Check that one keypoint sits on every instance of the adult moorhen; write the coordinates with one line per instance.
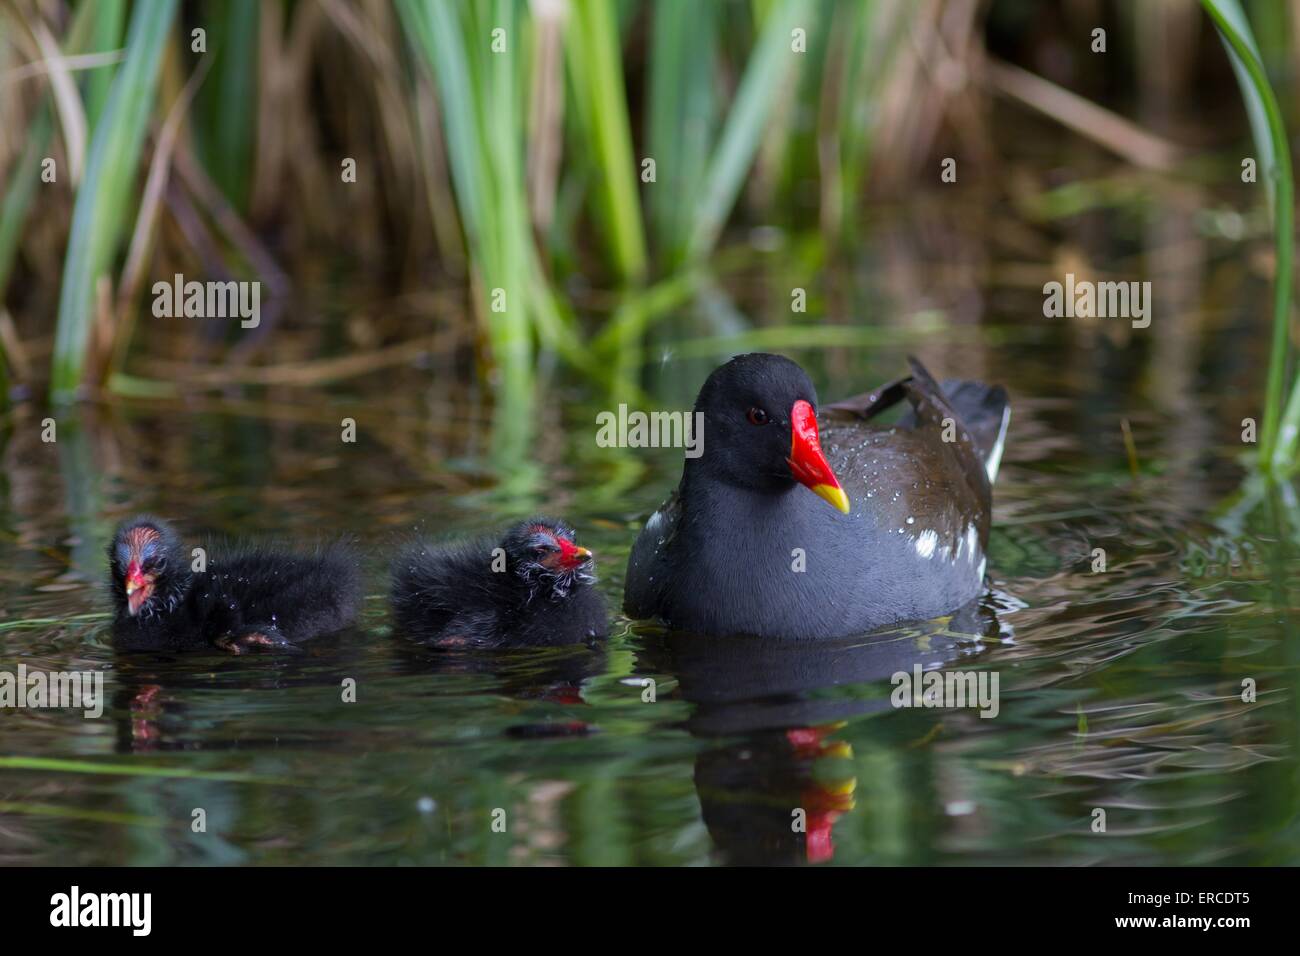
(531, 588)
(740, 548)
(244, 598)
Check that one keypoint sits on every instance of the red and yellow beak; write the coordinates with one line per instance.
(138, 588)
(570, 556)
(807, 463)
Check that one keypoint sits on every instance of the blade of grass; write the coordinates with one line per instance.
(545, 112)
(28, 622)
(628, 324)
(788, 149)
(766, 72)
(142, 238)
(72, 113)
(596, 70)
(436, 34)
(227, 105)
(502, 120)
(683, 60)
(99, 213)
(108, 20)
(778, 338)
(5, 383)
(24, 180)
(636, 312)
(877, 34)
(558, 330)
(21, 190)
(57, 765)
(1269, 132)
(74, 813)
(484, 128)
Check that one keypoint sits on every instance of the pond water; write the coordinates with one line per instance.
(1120, 690)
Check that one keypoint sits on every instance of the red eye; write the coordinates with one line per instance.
(756, 416)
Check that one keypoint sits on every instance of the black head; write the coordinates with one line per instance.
(542, 553)
(760, 428)
(147, 567)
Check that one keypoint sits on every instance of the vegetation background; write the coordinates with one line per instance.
(603, 164)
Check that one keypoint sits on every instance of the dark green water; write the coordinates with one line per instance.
(1120, 690)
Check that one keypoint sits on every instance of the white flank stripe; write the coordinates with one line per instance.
(994, 460)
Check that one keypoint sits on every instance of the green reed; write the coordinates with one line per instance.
(1280, 429)
(735, 118)
(104, 195)
(703, 145)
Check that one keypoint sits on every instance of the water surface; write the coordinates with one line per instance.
(1120, 689)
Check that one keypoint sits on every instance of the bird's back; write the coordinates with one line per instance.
(301, 595)
(433, 585)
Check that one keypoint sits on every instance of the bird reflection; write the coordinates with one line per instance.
(154, 708)
(552, 674)
(780, 776)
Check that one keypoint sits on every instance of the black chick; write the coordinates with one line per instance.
(532, 588)
(244, 598)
